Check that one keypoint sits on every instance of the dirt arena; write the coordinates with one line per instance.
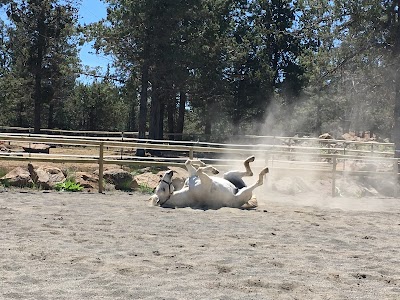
(114, 246)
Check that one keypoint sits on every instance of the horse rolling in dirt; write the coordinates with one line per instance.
(208, 192)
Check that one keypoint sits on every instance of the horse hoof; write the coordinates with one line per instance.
(202, 164)
(264, 171)
(215, 171)
(250, 159)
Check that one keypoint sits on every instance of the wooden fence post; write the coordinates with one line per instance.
(334, 177)
(191, 153)
(122, 139)
(101, 167)
(396, 178)
(344, 153)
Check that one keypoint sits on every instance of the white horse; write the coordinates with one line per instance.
(203, 191)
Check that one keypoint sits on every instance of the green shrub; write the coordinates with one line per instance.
(5, 183)
(125, 186)
(3, 171)
(145, 189)
(68, 186)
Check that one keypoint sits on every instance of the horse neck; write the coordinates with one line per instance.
(179, 198)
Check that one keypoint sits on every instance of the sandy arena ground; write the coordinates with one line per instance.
(114, 246)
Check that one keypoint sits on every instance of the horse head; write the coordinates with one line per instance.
(164, 189)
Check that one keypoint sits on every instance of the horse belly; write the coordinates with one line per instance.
(216, 196)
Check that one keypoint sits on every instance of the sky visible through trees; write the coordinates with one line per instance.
(89, 11)
(217, 67)
(92, 11)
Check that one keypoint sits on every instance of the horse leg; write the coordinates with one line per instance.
(245, 194)
(240, 174)
(190, 168)
(209, 169)
(260, 180)
(206, 181)
(204, 168)
(247, 166)
(201, 163)
(236, 176)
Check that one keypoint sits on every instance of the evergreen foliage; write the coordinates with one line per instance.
(218, 67)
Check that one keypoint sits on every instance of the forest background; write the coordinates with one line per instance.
(221, 68)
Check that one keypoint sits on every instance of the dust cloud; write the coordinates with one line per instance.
(304, 177)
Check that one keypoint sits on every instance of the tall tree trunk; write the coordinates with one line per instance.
(37, 100)
(318, 119)
(155, 113)
(396, 127)
(143, 101)
(237, 113)
(50, 121)
(181, 115)
(20, 114)
(156, 119)
(160, 131)
(132, 116)
(171, 116)
(396, 55)
(236, 119)
(52, 105)
(37, 95)
(207, 123)
(143, 105)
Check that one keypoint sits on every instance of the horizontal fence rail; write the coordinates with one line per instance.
(267, 139)
(314, 156)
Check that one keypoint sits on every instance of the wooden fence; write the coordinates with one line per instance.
(314, 156)
(253, 139)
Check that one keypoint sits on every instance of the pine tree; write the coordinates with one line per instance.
(44, 53)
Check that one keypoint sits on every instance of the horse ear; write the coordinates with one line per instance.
(154, 200)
